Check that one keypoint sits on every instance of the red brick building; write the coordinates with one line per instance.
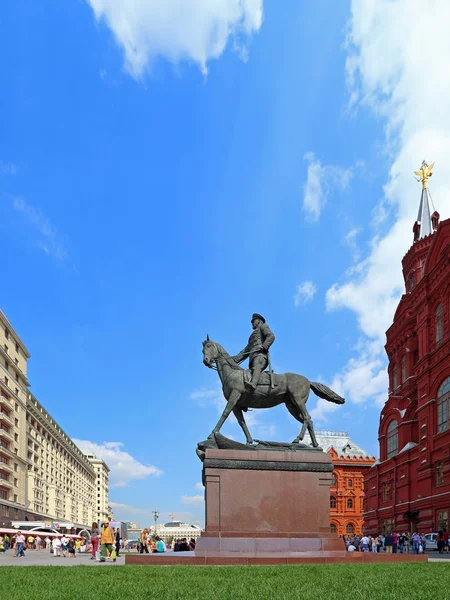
(350, 463)
(410, 486)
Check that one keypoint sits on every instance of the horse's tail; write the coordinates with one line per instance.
(323, 391)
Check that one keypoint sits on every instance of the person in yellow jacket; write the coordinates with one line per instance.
(106, 540)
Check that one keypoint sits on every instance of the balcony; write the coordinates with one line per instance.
(6, 467)
(6, 435)
(7, 419)
(6, 484)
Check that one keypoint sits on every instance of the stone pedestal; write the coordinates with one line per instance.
(267, 503)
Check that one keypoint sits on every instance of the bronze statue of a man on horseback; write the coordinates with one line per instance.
(258, 389)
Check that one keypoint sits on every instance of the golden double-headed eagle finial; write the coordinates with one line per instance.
(424, 172)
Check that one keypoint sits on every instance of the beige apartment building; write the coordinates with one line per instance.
(43, 474)
(102, 510)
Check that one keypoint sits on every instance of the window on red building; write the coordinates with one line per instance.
(439, 324)
(350, 529)
(392, 439)
(442, 406)
(404, 368)
(394, 377)
(350, 483)
(350, 503)
(333, 502)
(333, 480)
(439, 473)
(333, 528)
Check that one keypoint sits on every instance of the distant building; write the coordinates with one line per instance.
(350, 462)
(177, 529)
(410, 486)
(102, 509)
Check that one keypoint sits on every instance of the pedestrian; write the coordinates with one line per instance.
(160, 546)
(388, 542)
(64, 542)
(48, 543)
(94, 540)
(394, 543)
(56, 544)
(106, 540)
(37, 542)
(373, 543)
(401, 542)
(6, 542)
(117, 541)
(416, 542)
(30, 542)
(20, 541)
(445, 538)
(71, 548)
(365, 543)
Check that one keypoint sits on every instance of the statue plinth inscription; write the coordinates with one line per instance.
(266, 501)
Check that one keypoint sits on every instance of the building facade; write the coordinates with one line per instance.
(176, 530)
(410, 486)
(102, 509)
(44, 476)
(350, 463)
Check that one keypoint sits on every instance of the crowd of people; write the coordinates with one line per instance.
(104, 542)
(148, 543)
(392, 543)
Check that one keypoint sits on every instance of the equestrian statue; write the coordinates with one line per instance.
(257, 388)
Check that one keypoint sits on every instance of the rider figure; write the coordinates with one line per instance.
(257, 349)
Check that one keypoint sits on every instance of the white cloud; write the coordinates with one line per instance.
(49, 240)
(304, 293)
(177, 30)
(124, 468)
(350, 241)
(321, 180)
(196, 500)
(199, 486)
(397, 66)
(362, 378)
(7, 168)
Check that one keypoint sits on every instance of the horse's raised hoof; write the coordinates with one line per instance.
(210, 436)
(296, 441)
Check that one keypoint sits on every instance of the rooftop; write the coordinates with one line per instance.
(338, 440)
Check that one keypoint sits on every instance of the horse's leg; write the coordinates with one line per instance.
(232, 400)
(305, 418)
(240, 419)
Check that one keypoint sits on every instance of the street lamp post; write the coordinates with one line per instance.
(155, 516)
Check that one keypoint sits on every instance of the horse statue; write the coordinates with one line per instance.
(288, 388)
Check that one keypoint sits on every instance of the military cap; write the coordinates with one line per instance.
(258, 316)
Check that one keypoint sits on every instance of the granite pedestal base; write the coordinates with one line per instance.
(267, 503)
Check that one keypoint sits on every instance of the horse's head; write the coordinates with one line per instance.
(210, 352)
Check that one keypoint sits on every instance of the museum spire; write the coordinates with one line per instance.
(427, 217)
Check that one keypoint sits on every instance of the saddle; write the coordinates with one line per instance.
(264, 379)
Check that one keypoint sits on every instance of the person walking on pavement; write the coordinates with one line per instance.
(94, 540)
(106, 540)
(20, 541)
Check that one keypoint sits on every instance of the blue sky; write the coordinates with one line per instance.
(164, 175)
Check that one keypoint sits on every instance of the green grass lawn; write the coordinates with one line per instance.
(410, 581)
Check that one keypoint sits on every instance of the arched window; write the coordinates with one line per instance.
(350, 529)
(333, 528)
(442, 406)
(350, 483)
(439, 324)
(333, 502)
(350, 503)
(392, 439)
(394, 377)
(404, 368)
(333, 479)
(439, 473)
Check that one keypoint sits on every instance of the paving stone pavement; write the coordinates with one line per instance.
(42, 558)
